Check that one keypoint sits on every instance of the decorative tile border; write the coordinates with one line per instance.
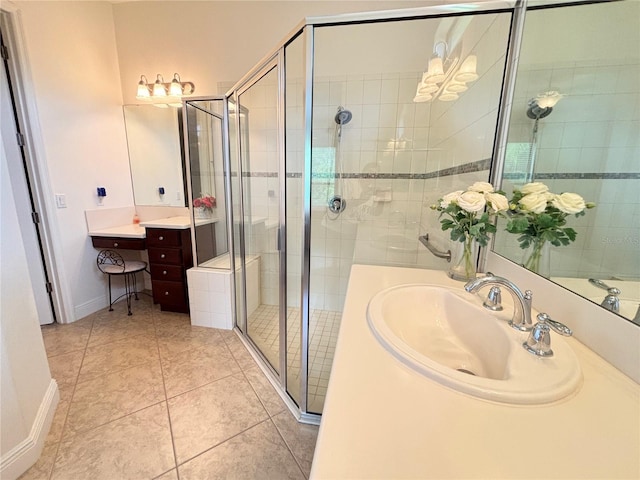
(578, 176)
(477, 166)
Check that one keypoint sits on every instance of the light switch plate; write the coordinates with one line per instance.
(61, 200)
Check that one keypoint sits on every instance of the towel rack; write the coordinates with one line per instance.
(425, 241)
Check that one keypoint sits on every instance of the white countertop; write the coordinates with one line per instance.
(126, 231)
(382, 419)
(177, 223)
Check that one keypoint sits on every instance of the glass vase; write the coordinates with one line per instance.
(463, 260)
(537, 257)
(201, 213)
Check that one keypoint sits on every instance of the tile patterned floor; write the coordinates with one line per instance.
(323, 335)
(151, 397)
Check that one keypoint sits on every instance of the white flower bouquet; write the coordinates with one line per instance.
(540, 216)
(470, 215)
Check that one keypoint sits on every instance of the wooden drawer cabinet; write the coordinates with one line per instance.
(118, 243)
(173, 273)
(170, 295)
(169, 258)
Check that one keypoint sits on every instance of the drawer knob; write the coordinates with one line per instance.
(164, 272)
(166, 294)
(160, 238)
(162, 255)
(115, 245)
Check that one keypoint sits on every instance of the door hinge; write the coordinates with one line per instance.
(49, 287)
(5, 52)
(20, 138)
(35, 217)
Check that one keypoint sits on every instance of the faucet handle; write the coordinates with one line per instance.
(539, 341)
(493, 301)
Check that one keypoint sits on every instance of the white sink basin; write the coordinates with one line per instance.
(446, 335)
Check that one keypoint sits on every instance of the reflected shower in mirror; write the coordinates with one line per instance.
(575, 127)
(155, 155)
(207, 167)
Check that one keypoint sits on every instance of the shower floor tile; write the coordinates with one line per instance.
(324, 325)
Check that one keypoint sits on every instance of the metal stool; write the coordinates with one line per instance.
(112, 263)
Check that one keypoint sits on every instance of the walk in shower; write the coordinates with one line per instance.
(339, 143)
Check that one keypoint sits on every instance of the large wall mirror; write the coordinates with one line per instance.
(587, 59)
(156, 155)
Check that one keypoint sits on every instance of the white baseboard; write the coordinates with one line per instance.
(92, 306)
(20, 458)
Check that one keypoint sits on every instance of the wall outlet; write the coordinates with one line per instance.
(61, 200)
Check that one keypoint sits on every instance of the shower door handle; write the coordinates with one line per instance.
(279, 242)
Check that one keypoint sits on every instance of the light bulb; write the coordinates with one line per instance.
(426, 89)
(143, 88)
(548, 99)
(456, 87)
(435, 72)
(467, 72)
(422, 98)
(159, 90)
(448, 96)
(175, 89)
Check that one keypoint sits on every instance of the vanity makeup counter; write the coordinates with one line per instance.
(383, 420)
(168, 244)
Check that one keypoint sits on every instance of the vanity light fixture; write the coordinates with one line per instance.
(163, 90)
(542, 105)
(446, 76)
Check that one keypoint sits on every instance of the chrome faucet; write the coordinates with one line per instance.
(521, 301)
(612, 301)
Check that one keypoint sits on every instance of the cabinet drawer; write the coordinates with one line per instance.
(167, 273)
(159, 237)
(119, 242)
(169, 293)
(172, 256)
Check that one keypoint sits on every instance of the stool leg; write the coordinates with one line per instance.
(127, 286)
(110, 302)
(135, 285)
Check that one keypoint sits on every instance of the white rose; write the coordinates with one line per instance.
(482, 187)
(569, 203)
(535, 187)
(534, 202)
(497, 201)
(450, 198)
(472, 202)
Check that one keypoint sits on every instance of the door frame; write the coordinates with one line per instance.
(34, 151)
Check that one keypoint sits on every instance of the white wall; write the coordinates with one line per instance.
(26, 383)
(76, 84)
(211, 42)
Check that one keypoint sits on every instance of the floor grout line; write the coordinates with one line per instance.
(166, 399)
(66, 417)
(153, 317)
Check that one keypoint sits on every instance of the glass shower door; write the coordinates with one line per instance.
(260, 185)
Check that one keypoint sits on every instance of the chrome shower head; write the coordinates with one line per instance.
(343, 116)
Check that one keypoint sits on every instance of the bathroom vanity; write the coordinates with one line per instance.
(167, 242)
(383, 419)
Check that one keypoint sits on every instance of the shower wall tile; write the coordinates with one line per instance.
(595, 129)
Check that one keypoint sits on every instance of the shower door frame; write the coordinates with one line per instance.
(275, 61)
(277, 57)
